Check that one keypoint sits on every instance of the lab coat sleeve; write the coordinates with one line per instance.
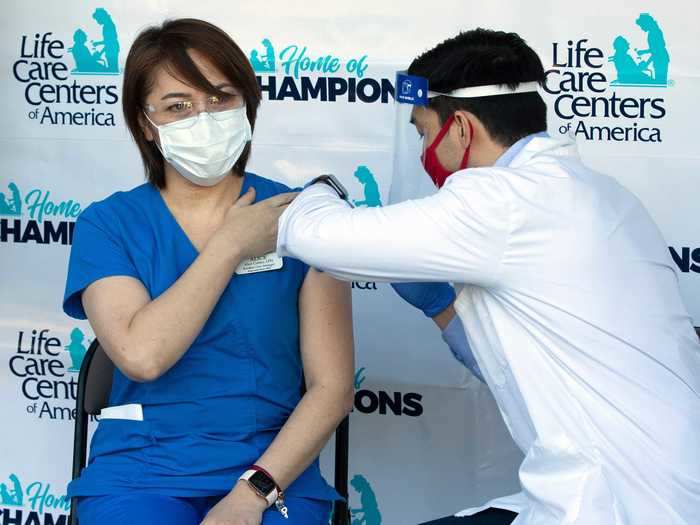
(459, 234)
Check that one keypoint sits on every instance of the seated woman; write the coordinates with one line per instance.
(209, 344)
(85, 61)
(628, 71)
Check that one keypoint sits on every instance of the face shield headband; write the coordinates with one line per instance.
(412, 90)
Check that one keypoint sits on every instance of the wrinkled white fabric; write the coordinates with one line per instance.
(570, 301)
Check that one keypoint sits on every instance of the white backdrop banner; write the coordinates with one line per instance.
(426, 437)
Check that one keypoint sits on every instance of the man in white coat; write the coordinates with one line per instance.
(567, 299)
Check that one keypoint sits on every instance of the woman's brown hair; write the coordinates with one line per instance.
(166, 46)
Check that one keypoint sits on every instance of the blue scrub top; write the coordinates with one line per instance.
(216, 411)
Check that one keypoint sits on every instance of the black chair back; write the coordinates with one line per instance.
(94, 386)
(341, 509)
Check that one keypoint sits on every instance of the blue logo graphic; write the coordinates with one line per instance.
(583, 90)
(76, 349)
(49, 221)
(47, 62)
(38, 203)
(13, 205)
(651, 66)
(36, 496)
(12, 497)
(359, 377)
(294, 72)
(372, 196)
(103, 58)
(295, 60)
(264, 63)
(368, 513)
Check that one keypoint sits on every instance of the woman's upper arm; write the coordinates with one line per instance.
(325, 308)
(110, 304)
(102, 283)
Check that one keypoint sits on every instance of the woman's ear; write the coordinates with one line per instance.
(147, 128)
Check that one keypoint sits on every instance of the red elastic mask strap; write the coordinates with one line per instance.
(443, 131)
(465, 158)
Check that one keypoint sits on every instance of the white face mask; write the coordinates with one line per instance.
(204, 148)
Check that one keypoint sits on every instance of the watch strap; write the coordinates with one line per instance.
(332, 182)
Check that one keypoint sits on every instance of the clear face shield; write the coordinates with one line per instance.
(410, 179)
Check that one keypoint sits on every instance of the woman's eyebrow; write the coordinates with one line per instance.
(176, 95)
(186, 95)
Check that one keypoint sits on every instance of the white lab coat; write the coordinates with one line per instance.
(570, 301)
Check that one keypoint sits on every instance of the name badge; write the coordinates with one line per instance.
(132, 412)
(264, 263)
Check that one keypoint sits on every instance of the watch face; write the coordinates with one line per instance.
(262, 482)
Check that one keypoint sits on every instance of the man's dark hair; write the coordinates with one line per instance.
(482, 57)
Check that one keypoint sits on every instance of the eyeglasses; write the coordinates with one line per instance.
(181, 108)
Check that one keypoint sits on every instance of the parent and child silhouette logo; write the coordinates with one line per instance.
(11, 206)
(102, 58)
(368, 513)
(371, 188)
(264, 63)
(650, 68)
(77, 348)
(12, 497)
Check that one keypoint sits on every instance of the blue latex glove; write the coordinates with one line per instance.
(456, 338)
(431, 298)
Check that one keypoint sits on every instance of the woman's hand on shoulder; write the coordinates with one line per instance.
(250, 230)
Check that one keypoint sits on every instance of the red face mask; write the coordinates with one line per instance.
(438, 173)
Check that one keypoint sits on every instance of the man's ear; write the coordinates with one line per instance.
(463, 119)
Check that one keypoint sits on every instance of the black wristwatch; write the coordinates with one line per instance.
(264, 486)
(334, 183)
